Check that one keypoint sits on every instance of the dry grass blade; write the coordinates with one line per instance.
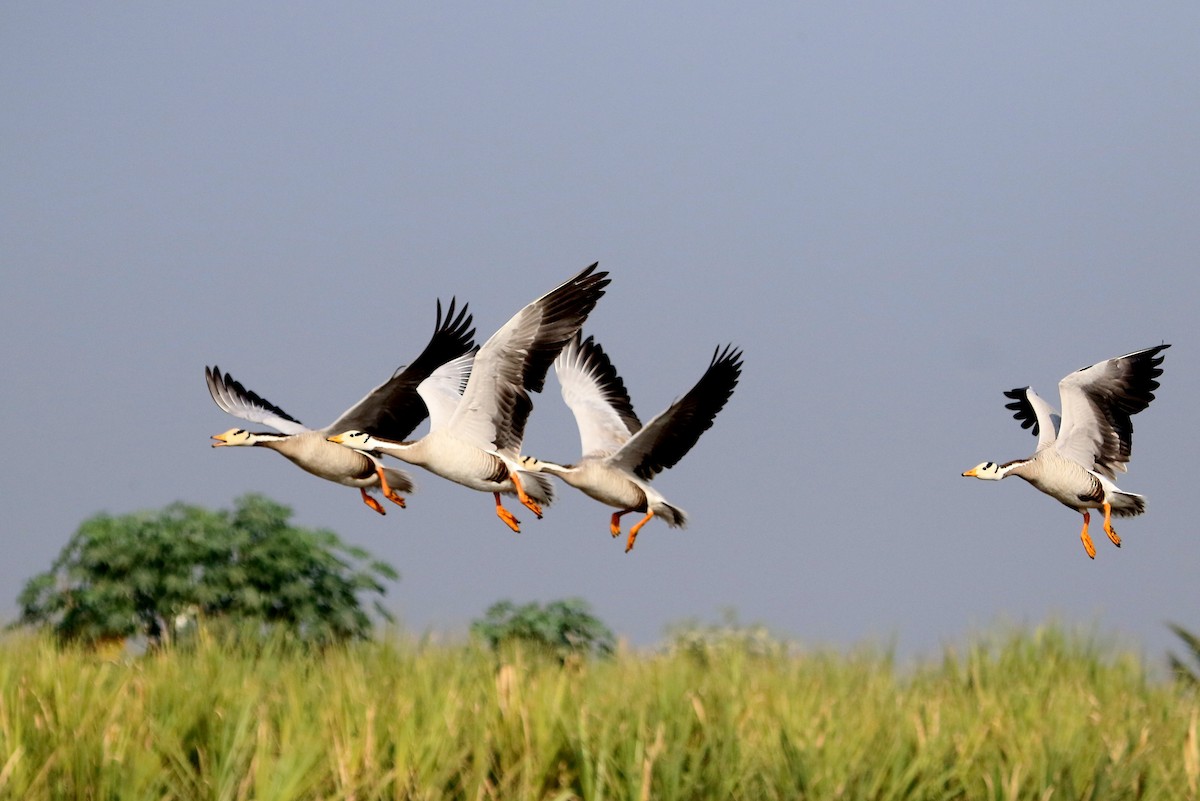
(1024, 715)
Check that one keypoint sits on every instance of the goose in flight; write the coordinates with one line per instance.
(477, 443)
(446, 359)
(620, 455)
(1079, 453)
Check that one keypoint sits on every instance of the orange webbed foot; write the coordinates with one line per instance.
(1087, 546)
(1108, 529)
(634, 529)
(388, 492)
(509, 519)
(526, 501)
(371, 502)
(614, 526)
(1087, 540)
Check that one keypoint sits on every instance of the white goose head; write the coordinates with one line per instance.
(988, 471)
(235, 437)
(359, 440)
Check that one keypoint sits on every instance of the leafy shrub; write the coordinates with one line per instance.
(563, 628)
(154, 574)
(708, 642)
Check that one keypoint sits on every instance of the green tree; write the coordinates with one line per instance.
(564, 628)
(150, 572)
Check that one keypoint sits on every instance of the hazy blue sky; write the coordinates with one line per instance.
(898, 210)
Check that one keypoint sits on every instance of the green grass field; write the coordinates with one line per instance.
(1029, 715)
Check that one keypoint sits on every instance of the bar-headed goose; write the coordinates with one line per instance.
(479, 444)
(1077, 455)
(384, 410)
(620, 455)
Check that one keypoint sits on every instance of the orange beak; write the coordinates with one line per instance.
(220, 440)
(970, 472)
(335, 438)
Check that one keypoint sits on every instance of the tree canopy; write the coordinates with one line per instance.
(150, 572)
(563, 628)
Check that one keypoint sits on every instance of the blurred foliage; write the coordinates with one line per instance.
(563, 628)
(1187, 672)
(706, 642)
(158, 574)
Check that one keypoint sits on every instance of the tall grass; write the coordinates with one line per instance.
(1025, 715)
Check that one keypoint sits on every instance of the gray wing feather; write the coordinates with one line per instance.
(596, 396)
(235, 399)
(1098, 402)
(514, 362)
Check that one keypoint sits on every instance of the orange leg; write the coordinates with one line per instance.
(388, 492)
(633, 531)
(1108, 529)
(614, 525)
(369, 501)
(529, 503)
(1083, 535)
(506, 515)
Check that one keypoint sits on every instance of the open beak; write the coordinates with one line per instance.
(970, 472)
(220, 440)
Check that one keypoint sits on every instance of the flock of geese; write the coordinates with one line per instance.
(478, 401)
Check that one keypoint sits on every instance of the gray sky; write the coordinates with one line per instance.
(898, 212)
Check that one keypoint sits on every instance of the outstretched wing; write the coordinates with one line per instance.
(1098, 402)
(442, 391)
(514, 362)
(596, 396)
(235, 399)
(664, 440)
(393, 409)
(1032, 412)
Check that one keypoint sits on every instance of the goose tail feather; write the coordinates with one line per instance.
(1127, 504)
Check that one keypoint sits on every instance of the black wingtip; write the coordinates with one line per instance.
(595, 280)
(730, 354)
(456, 325)
(565, 309)
(1022, 409)
(695, 412)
